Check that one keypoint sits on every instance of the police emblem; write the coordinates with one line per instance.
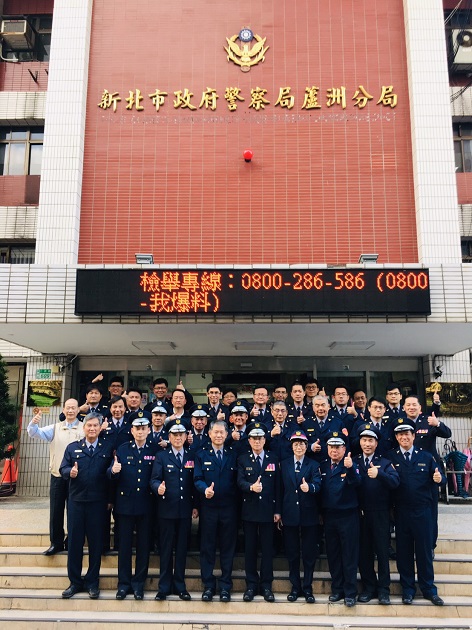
(335, 434)
(177, 421)
(244, 56)
(140, 414)
(367, 426)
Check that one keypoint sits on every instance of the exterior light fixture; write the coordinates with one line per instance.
(248, 154)
(144, 259)
(368, 258)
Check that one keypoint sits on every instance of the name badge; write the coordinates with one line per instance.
(170, 465)
(207, 463)
(77, 450)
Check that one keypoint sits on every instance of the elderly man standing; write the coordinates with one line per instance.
(84, 466)
(59, 436)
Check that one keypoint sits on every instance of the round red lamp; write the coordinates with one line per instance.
(248, 155)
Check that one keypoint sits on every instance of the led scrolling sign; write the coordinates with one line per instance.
(381, 291)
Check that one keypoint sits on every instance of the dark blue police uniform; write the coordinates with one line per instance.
(280, 444)
(414, 520)
(218, 515)
(341, 520)
(300, 519)
(314, 431)
(258, 511)
(375, 503)
(174, 514)
(86, 508)
(132, 502)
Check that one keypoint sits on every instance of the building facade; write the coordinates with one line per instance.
(255, 153)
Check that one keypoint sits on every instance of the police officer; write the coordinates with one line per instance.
(85, 464)
(216, 409)
(300, 481)
(172, 482)
(414, 514)
(342, 409)
(238, 437)
(320, 427)
(380, 423)
(280, 432)
(215, 480)
(339, 482)
(197, 436)
(130, 473)
(258, 479)
(260, 412)
(298, 410)
(379, 478)
(158, 433)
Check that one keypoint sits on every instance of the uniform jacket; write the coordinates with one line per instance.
(280, 444)
(416, 479)
(425, 436)
(346, 418)
(132, 493)
(298, 507)
(265, 417)
(375, 494)
(213, 414)
(117, 436)
(198, 442)
(178, 500)
(293, 414)
(386, 442)
(259, 507)
(311, 427)
(339, 486)
(162, 435)
(208, 471)
(91, 484)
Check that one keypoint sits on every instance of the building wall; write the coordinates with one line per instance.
(174, 182)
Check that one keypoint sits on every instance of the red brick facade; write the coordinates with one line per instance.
(325, 184)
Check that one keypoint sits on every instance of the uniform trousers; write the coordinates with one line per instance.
(309, 550)
(375, 541)
(173, 531)
(342, 549)
(142, 525)
(58, 492)
(258, 536)
(414, 533)
(85, 519)
(217, 526)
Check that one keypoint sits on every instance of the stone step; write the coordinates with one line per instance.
(39, 578)
(460, 564)
(106, 611)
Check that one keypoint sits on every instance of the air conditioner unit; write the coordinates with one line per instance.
(17, 35)
(462, 46)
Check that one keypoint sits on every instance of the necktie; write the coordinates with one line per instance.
(407, 457)
(218, 457)
(139, 451)
(91, 449)
(93, 409)
(118, 425)
(367, 462)
(333, 465)
(179, 459)
(298, 467)
(321, 426)
(258, 464)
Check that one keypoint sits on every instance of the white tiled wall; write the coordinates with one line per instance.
(433, 156)
(61, 173)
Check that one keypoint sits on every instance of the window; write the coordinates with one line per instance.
(42, 27)
(463, 147)
(21, 150)
(466, 246)
(17, 254)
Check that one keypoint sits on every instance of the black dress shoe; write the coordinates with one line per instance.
(94, 592)
(407, 599)
(384, 600)
(71, 591)
(268, 595)
(138, 595)
(53, 549)
(436, 600)
(248, 595)
(160, 596)
(309, 597)
(225, 596)
(293, 595)
(336, 597)
(350, 601)
(207, 595)
(121, 593)
(365, 597)
(185, 596)
(66, 543)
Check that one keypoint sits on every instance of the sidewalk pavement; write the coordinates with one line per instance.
(30, 514)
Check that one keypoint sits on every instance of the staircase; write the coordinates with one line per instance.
(31, 586)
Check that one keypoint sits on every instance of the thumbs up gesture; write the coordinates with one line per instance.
(161, 489)
(210, 491)
(373, 471)
(432, 420)
(301, 418)
(189, 437)
(74, 471)
(116, 468)
(37, 418)
(276, 430)
(257, 487)
(348, 461)
(437, 478)
(316, 446)
(304, 487)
